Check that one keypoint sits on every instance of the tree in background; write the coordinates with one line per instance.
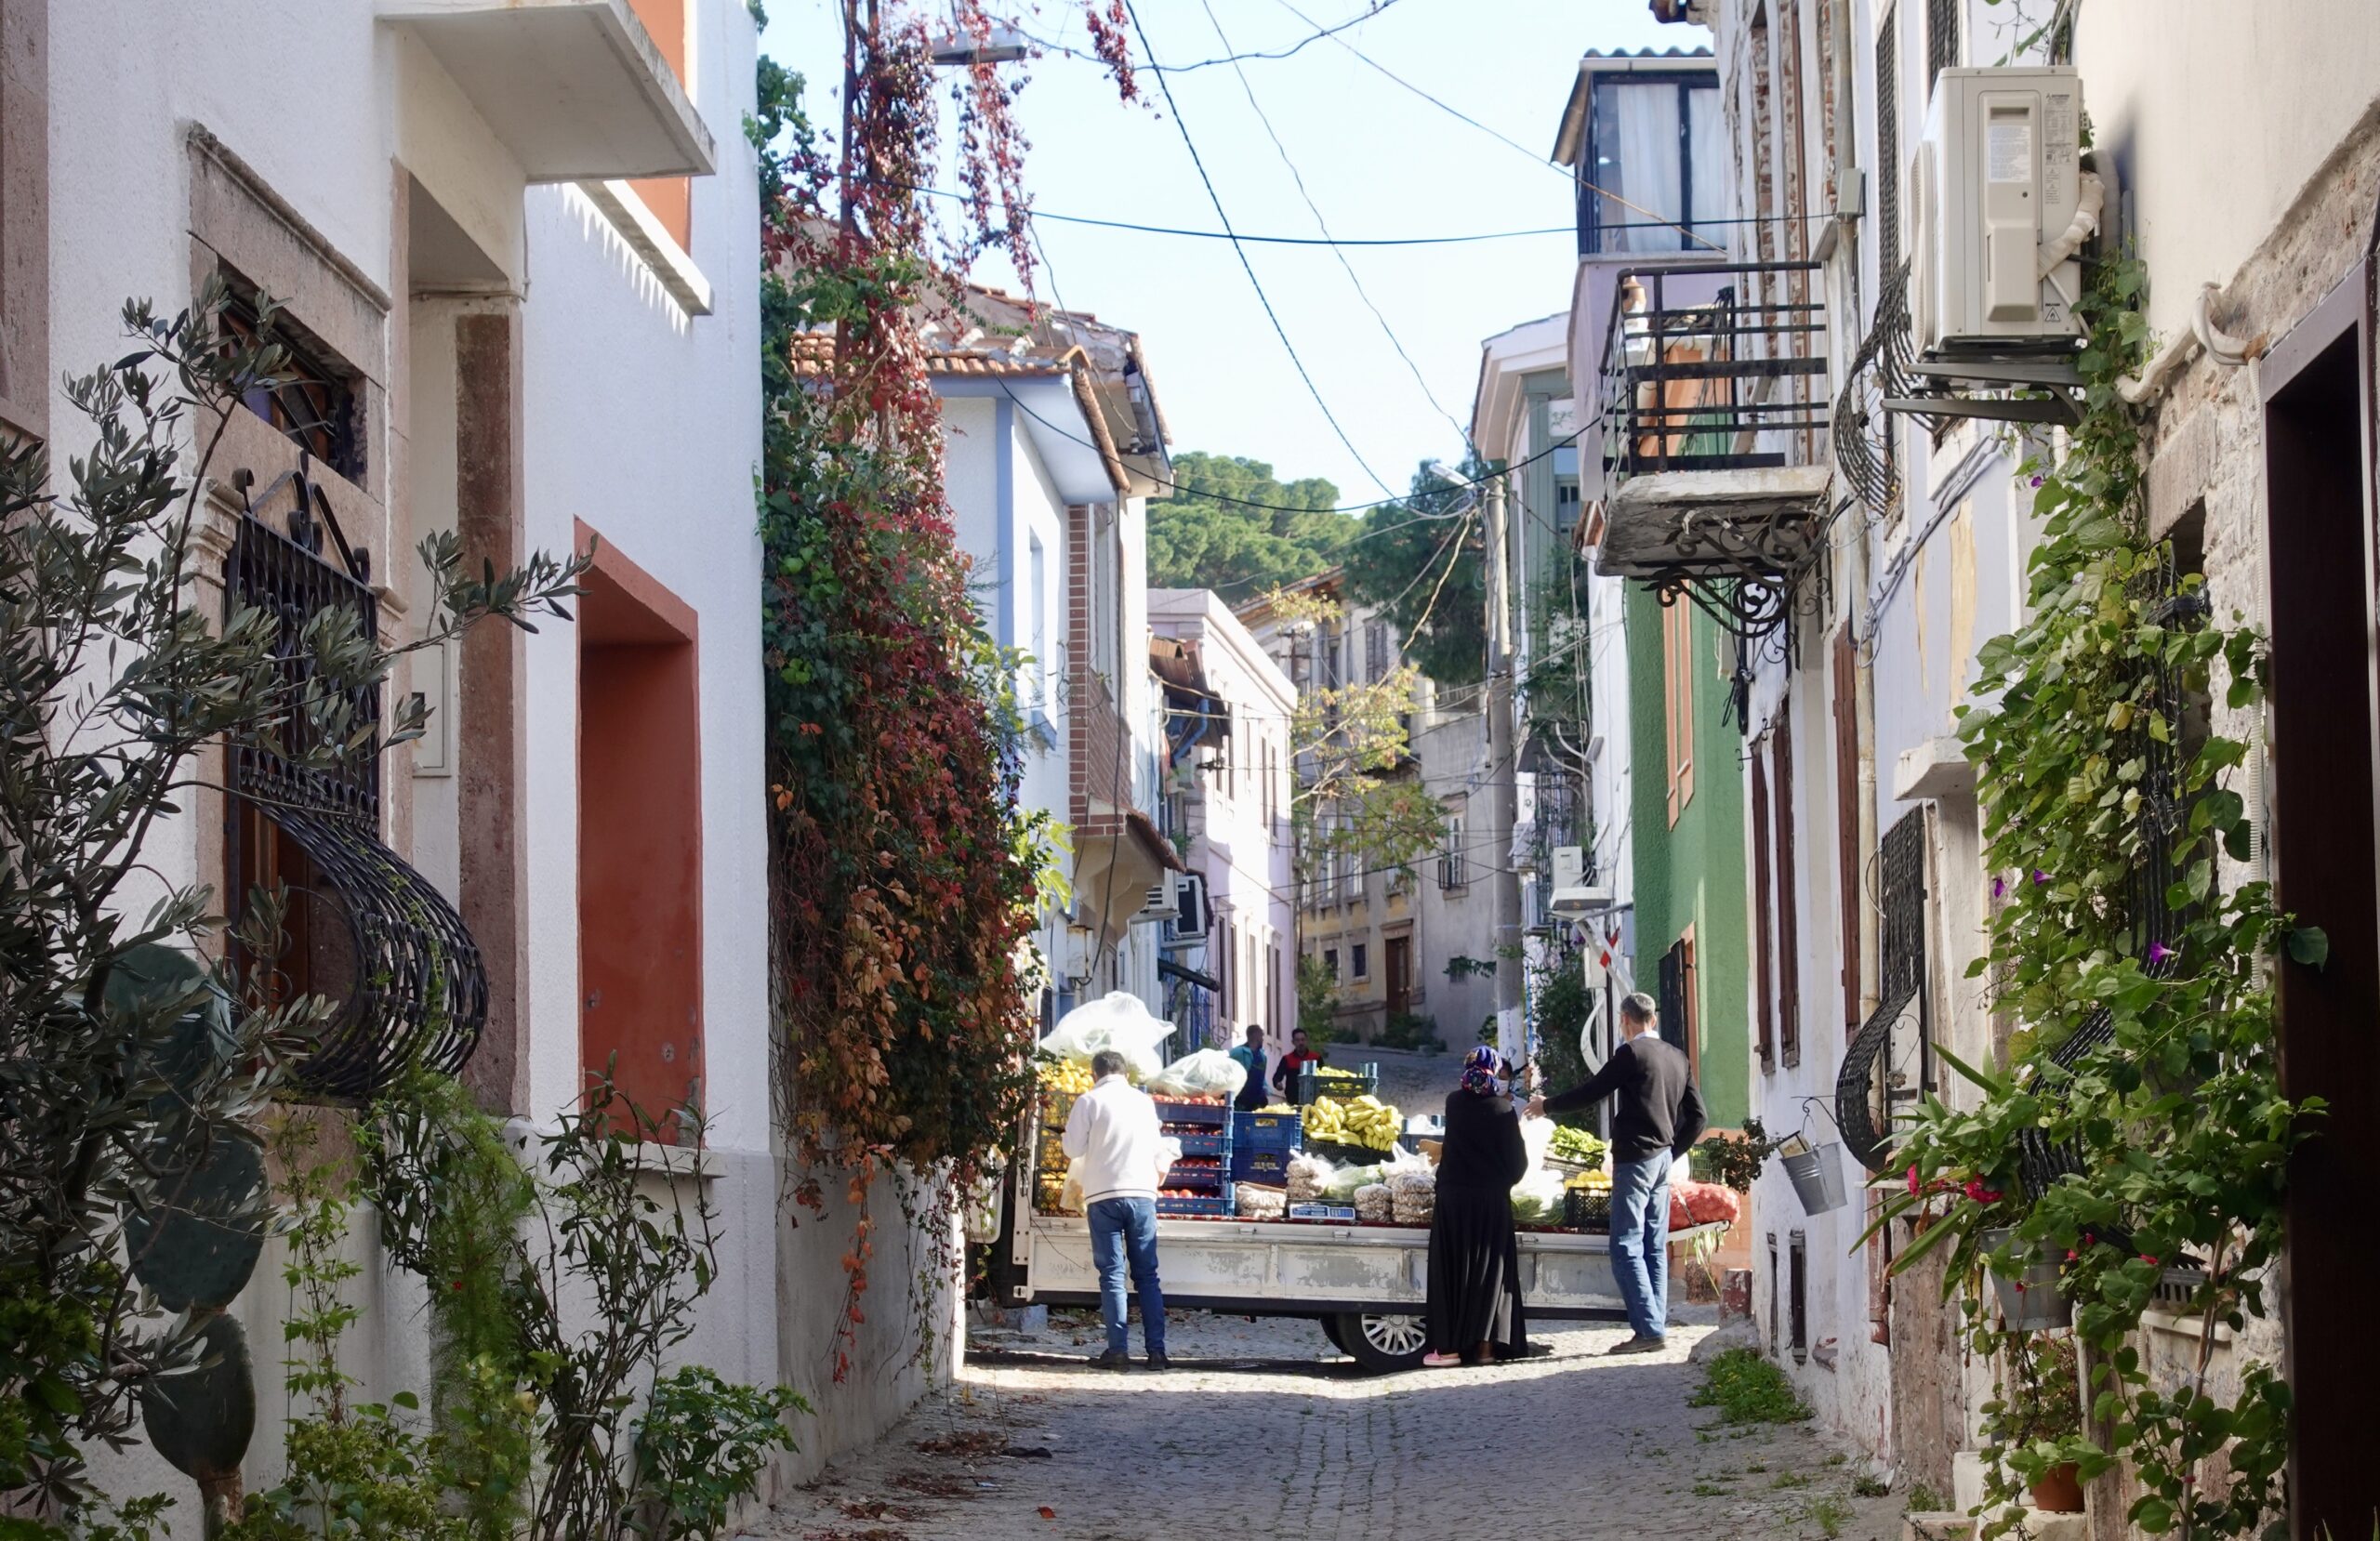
(1421, 562)
(1210, 534)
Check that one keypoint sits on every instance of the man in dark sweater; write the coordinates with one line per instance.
(1656, 1114)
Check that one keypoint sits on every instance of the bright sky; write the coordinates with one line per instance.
(1377, 160)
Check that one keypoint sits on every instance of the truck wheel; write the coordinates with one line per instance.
(1382, 1344)
(1329, 1326)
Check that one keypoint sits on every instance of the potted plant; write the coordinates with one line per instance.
(2040, 1402)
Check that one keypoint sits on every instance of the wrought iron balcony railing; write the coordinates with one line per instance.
(1714, 415)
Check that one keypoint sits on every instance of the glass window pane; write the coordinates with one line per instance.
(1637, 164)
(1707, 130)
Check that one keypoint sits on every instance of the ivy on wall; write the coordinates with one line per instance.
(2143, 1080)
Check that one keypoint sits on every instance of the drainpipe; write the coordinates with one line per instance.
(1503, 776)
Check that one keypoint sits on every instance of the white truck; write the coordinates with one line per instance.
(1364, 1284)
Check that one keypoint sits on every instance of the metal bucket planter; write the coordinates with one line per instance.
(2030, 1300)
(1817, 1177)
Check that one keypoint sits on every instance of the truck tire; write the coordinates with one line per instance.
(1381, 1344)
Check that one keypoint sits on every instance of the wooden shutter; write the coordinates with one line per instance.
(1677, 690)
(1789, 928)
(1848, 866)
(1763, 1017)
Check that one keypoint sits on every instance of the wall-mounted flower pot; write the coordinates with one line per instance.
(1817, 1177)
(2030, 1301)
(2058, 1491)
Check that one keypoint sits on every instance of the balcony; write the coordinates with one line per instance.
(577, 90)
(1714, 433)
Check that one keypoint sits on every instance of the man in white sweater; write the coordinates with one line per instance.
(1120, 1155)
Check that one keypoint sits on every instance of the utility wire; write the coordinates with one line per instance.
(1154, 68)
(1180, 125)
(1324, 226)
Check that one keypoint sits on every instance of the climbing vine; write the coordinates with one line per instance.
(906, 877)
(2146, 1059)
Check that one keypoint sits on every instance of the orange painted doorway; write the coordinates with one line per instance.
(640, 843)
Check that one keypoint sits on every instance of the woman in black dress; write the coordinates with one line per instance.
(1475, 1305)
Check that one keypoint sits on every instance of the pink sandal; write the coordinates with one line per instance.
(1440, 1362)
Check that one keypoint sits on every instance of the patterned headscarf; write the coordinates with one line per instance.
(1479, 1071)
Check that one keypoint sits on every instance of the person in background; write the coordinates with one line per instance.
(1293, 1064)
(1657, 1114)
(1251, 1058)
(1120, 1154)
(1474, 1308)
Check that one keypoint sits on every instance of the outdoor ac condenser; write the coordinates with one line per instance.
(2001, 205)
(1572, 895)
(1189, 923)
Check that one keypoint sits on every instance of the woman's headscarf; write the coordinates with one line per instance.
(1479, 1069)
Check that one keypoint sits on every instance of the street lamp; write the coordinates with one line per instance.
(1000, 46)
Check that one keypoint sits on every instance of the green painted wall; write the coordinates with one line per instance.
(1693, 874)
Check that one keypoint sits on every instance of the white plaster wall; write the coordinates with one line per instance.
(2217, 115)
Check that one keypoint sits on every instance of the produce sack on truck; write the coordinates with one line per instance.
(1116, 1021)
(1307, 1176)
(1207, 1072)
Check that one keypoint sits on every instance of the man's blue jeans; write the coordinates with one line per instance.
(1122, 1230)
(1640, 1241)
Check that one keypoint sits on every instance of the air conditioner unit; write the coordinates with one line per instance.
(2003, 204)
(1189, 922)
(1163, 903)
(1572, 894)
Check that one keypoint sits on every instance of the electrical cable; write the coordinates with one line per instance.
(1154, 68)
(1198, 163)
(1296, 177)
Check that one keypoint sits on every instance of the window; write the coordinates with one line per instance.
(24, 217)
(1799, 1302)
(1375, 652)
(1764, 1014)
(1846, 816)
(1678, 686)
(1788, 926)
(1358, 962)
(1566, 491)
(1330, 963)
(1654, 166)
(1037, 600)
(314, 401)
(1942, 39)
(1888, 147)
(1273, 982)
(1224, 959)
(1676, 998)
(1454, 872)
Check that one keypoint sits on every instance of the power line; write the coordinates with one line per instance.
(1155, 67)
(1182, 126)
(1324, 226)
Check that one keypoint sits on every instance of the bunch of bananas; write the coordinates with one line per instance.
(1065, 1075)
(1366, 1120)
(1278, 1107)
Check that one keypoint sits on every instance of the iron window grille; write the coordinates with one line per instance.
(1453, 868)
(363, 929)
(1890, 1062)
(1800, 1303)
(1888, 143)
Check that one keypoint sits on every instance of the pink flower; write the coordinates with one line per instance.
(1912, 1179)
(2040, 878)
(2069, 1254)
(2147, 1259)
(1999, 887)
(1978, 1191)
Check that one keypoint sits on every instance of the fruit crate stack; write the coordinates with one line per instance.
(1316, 1081)
(1260, 1146)
(1199, 1185)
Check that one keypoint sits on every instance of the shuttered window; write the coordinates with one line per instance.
(1677, 687)
(1845, 660)
(1888, 146)
(1789, 926)
(1764, 1016)
(1942, 39)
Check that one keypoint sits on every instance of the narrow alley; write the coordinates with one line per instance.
(1263, 1429)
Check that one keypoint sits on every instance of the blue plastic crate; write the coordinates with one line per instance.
(1209, 1114)
(1181, 1175)
(1198, 1209)
(1266, 1131)
(1202, 1143)
(1269, 1168)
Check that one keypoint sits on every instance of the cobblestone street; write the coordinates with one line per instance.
(1262, 1429)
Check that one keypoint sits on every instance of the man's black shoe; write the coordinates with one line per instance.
(1158, 1362)
(1113, 1359)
